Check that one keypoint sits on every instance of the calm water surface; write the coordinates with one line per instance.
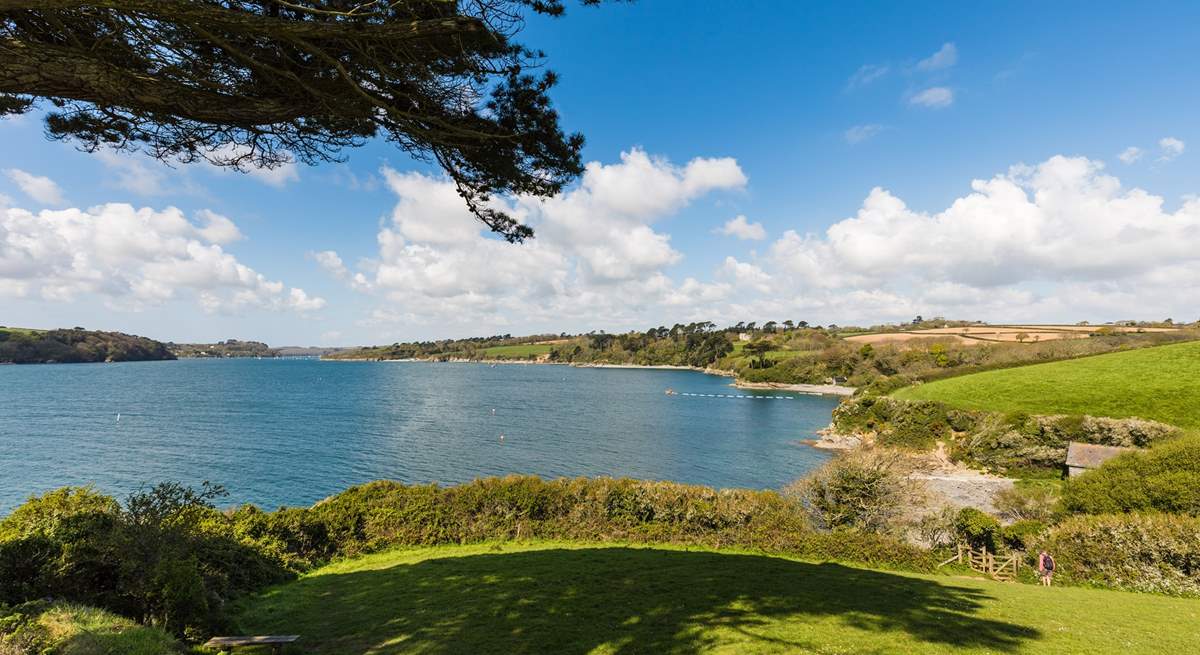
(288, 432)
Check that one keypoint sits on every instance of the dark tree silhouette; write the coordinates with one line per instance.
(255, 83)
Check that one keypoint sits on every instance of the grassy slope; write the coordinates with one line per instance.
(79, 630)
(1160, 383)
(560, 598)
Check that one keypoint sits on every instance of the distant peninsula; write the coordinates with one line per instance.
(76, 346)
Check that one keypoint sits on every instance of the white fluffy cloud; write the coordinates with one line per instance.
(740, 227)
(935, 97)
(1062, 240)
(38, 187)
(945, 57)
(860, 133)
(597, 251)
(1130, 154)
(1171, 148)
(1055, 241)
(134, 258)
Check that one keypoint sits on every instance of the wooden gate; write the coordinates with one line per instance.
(998, 568)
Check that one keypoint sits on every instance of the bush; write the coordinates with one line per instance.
(1023, 535)
(1165, 478)
(978, 529)
(1023, 443)
(863, 490)
(165, 557)
(1137, 552)
(1026, 502)
(896, 423)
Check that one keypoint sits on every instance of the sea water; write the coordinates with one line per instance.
(292, 431)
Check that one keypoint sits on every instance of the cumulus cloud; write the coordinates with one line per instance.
(1170, 148)
(134, 258)
(935, 97)
(1052, 240)
(945, 57)
(38, 187)
(740, 227)
(860, 133)
(866, 74)
(597, 251)
(1130, 154)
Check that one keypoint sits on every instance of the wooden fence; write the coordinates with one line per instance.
(998, 568)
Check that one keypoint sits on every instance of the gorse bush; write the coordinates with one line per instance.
(862, 490)
(1031, 502)
(1165, 478)
(383, 515)
(979, 529)
(1138, 552)
(165, 557)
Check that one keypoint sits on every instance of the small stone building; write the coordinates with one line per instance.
(1083, 457)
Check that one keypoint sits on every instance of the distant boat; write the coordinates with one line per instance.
(671, 392)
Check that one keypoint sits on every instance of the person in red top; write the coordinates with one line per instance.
(1045, 568)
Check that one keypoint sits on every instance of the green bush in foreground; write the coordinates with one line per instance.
(40, 628)
(1165, 478)
(1138, 552)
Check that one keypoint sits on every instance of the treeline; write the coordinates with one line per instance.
(76, 345)
(466, 348)
(227, 348)
(693, 344)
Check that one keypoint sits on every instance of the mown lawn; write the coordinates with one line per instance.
(1160, 383)
(572, 599)
(520, 351)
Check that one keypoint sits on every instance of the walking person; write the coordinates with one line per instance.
(1045, 568)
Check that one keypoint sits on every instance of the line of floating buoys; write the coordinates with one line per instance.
(722, 395)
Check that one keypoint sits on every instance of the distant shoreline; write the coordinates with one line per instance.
(818, 389)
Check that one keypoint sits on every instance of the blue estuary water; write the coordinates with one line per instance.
(290, 432)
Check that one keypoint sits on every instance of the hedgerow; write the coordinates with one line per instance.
(1138, 552)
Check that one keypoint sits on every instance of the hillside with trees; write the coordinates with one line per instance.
(75, 346)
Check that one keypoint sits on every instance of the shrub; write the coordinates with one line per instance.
(978, 529)
(896, 423)
(1022, 535)
(1165, 478)
(938, 529)
(1023, 443)
(1138, 552)
(1026, 502)
(864, 490)
(166, 557)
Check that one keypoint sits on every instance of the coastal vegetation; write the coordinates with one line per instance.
(167, 558)
(790, 352)
(227, 348)
(1159, 384)
(76, 345)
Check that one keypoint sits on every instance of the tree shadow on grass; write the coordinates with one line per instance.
(626, 600)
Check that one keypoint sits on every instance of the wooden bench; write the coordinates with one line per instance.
(276, 642)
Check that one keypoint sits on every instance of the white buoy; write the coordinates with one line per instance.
(118, 417)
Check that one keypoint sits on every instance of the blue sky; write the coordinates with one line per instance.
(850, 133)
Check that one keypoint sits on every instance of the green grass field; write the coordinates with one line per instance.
(561, 598)
(520, 351)
(1160, 383)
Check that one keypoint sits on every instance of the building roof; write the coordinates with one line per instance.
(1090, 456)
